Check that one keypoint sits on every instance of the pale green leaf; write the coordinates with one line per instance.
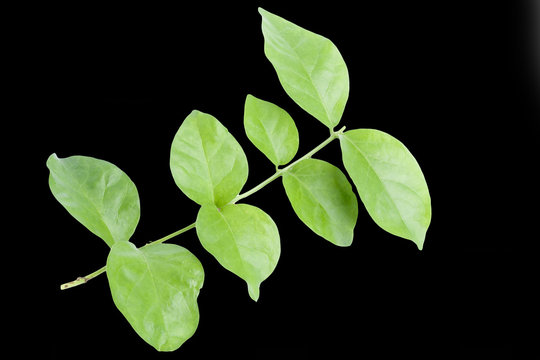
(207, 163)
(96, 193)
(243, 238)
(389, 181)
(156, 289)
(323, 199)
(271, 129)
(309, 66)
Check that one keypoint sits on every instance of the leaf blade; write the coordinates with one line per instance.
(96, 193)
(309, 67)
(389, 181)
(323, 199)
(156, 289)
(271, 129)
(207, 163)
(243, 239)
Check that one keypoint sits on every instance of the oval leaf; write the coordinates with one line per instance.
(389, 181)
(156, 289)
(309, 66)
(271, 129)
(323, 199)
(243, 238)
(96, 193)
(207, 163)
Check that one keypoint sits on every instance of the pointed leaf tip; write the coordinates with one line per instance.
(254, 292)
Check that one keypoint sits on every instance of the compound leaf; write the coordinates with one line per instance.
(244, 240)
(207, 163)
(309, 67)
(271, 129)
(389, 181)
(323, 199)
(96, 193)
(156, 289)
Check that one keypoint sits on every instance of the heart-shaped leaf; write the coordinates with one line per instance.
(271, 129)
(156, 289)
(207, 163)
(389, 181)
(96, 193)
(243, 238)
(323, 199)
(309, 67)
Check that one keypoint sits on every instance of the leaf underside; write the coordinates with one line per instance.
(207, 163)
(96, 193)
(309, 67)
(323, 199)
(244, 240)
(389, 181)
(156, 290)
(271, 129)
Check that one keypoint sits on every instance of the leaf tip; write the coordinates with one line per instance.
(254, 292)
(52, 157)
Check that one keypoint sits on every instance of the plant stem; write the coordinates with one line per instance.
(170, 236)
(279, 172)
(84, 279)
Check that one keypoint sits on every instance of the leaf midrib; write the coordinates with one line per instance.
(234, 240)
(158, 295)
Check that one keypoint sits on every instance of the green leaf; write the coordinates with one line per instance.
(207, 163)
(243, 238)
(323, 199)
(156, 289)
(96, 193)
(309, 66)
(389, 181)
(271, 129)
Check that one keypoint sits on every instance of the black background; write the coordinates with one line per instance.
(455, 82)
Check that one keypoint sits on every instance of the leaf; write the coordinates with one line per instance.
(309, 67)
(323, 199)
(389, 181)
(156, 289)
(96, 193)
(207, 163)
(271, 129)
(243, 239)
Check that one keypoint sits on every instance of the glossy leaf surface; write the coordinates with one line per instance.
(323, 199)
(389, 181)
(207, 163)
(271, 129)
(309, 66)
(96, 193)
(243, 238)
(156, 289)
